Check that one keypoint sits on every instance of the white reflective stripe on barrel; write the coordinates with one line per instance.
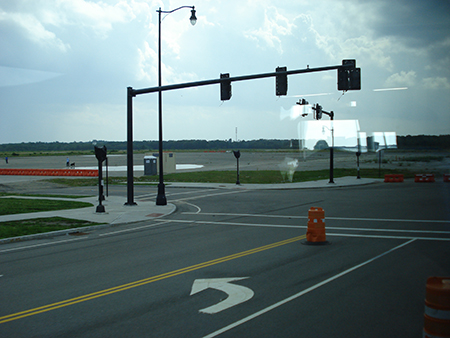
(438, 314)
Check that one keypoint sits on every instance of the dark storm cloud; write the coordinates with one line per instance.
(417, 23)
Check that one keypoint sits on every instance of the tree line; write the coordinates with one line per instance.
(403, 142)
(150, 145)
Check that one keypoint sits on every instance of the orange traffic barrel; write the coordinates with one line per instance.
(437, 308)
(315, 233)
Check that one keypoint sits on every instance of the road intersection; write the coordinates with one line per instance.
(137, 279)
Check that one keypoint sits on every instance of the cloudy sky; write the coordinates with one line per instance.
(65, 66)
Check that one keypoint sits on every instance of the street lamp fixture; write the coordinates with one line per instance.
(161, 197)
(193, 18)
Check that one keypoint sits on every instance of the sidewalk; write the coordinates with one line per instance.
(116, 212)
(338, 182)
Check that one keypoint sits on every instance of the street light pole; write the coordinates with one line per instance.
(331, 114)
(161, 197)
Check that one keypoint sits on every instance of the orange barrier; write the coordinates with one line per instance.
(446, 177)
(51, 172)
(393, 178)
(424, 178)
(316, 226)
(437, 308)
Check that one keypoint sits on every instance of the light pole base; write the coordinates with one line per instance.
(161, 198)
(100, 208)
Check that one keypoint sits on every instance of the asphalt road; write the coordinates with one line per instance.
(138, 280)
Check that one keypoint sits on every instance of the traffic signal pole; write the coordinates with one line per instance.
(225, 81)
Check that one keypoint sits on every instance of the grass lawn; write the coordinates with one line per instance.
(246, 177)
(9, 206)
(42, 195)
(39, 225)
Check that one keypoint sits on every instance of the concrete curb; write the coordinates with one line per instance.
(119, 214)
(339, 182)
(55, 233)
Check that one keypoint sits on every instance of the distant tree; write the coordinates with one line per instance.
(320, 145)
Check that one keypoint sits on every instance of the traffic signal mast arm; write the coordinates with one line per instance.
(330, 114)
(135, 92)
(320, 111)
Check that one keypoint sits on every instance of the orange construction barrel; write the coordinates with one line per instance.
(315, 233)
(437, 308)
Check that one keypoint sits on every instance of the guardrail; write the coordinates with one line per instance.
(51, 172)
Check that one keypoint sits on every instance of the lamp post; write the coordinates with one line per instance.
(161, 198)
(331, 114)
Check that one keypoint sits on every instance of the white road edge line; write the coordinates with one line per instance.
(199, 210)
(318, 285)
(133, 229)
(44, 244)
(167, 194)
(209, 195)
(389, 237)
(240, 224)
(330, 218)
(305, 226)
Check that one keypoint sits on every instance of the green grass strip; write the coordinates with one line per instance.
(39, 225)
(44, 195)
(9, 206)
(246, 177)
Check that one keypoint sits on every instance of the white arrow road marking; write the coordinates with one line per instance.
(236, 293)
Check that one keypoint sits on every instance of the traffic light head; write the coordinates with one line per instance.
(343, 79)
(318, 109)
(225, 87)
(100, 153)
(355, 79)
(302, 102)
(281, 82)
(349, 77)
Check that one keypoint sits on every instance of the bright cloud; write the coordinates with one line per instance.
(274, 27)
(405, 79)
(34, 30)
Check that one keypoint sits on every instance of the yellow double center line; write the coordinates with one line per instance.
(141, 282)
